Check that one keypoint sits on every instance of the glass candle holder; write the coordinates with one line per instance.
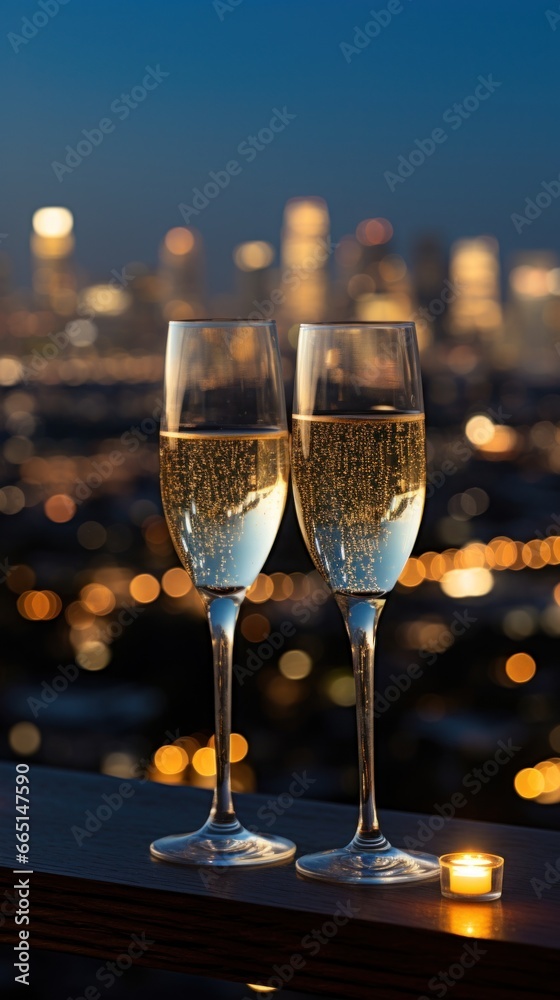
(472, 877)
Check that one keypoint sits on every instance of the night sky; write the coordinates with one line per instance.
(353, 119)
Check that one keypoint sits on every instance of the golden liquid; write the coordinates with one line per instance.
(359, 487)
(223, 497)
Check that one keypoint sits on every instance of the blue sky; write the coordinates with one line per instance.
(353, 119)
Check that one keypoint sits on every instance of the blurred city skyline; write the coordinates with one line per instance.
(362, 93)
(471, 312)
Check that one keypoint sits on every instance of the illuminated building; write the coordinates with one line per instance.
(534, 314)
(303, 287)
(380, 286)
(475, 273)
(180, 274)
(253, 280)
(52, 245)
(432, 289)
(347, 258)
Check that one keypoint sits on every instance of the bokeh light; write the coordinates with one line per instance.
(480, 430)
(176, 582)
(93, 655)
(91, 535)
(340, 688)
(520, 667)
(144, 588)
(295, 664)
(372, 232)
(253, 256)
(39, 605)
(60, 508)
(475, 582)
(53, 222)
(204, 761)
(179, 241)
(24, 738)
(238, 747)
(261, 590)
(529, 783)
(412, 574)
(97, 598)
(255, 628)
(171, 759)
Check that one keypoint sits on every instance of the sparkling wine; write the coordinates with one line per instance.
(359, 486)
(224, 494)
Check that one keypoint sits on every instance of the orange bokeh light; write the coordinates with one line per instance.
(179, 241)
(60, 508)
(413, 573)
(372, 232)
(171, 759)
(97, 598)
(520, 667)
(39, 605)
(255, 628)
(144, 588)
(238, 747)
(176, 582)
(261, 590)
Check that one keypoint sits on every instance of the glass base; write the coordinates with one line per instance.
(383, 866)
(223, 848)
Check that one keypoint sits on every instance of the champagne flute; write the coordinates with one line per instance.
(224, 463)
(359, 476)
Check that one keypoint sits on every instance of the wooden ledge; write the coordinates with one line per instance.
(249, 925)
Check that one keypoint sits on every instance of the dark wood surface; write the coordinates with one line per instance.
(90, 899)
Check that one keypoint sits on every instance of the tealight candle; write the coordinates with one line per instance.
(471, 876)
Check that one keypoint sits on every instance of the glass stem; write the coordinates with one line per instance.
(361, 616)
(222, 615)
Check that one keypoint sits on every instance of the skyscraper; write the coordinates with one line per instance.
(181, 274)
(52, 245)
(303, 285)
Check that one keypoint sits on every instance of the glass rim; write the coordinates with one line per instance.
(380, 323)
(222, 322)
